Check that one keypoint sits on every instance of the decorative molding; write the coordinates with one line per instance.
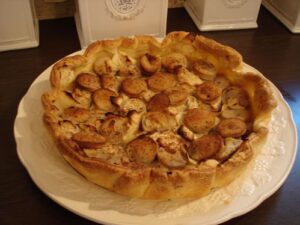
(125, 9)
(234, 3)
(230, 21)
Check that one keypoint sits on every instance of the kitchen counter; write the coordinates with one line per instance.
(270, 48)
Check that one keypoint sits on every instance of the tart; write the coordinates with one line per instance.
(158, 120)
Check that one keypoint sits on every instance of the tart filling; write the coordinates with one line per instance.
(158, 120)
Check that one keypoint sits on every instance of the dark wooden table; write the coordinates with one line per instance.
(271, 48)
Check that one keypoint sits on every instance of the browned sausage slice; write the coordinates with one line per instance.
(134, 87)
(158, 102)
(161, 81)
(205, 147)
(88, 81)
(199, 120)
(102, 99)
(232, 127)
(208, 91)
(143, 149)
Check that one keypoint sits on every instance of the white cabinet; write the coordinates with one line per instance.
(18, 25)
(287, 11)
(104, 19)
(223, 14)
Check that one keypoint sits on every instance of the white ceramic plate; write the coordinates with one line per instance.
(65, 186)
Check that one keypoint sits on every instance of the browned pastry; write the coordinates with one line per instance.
(150, 63)
(174, 61)
(205, 70)
(76, 114)
(242, 113)
(222, 82)
(176, 159)
(104, 66)
(127, 66)
(88, 139)
(114, 127)
(83, 97)
(235, 97)
(110, 83)
(154, 120)
(172, 151)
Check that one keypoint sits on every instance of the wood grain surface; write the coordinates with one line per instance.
(271, 48)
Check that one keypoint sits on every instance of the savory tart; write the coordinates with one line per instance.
(158, 120)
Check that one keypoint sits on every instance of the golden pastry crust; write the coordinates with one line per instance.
(235, 98)
(114, 127)
(137, 117)
(82, 97)
(227, 56)
(174, 61)
(205, 70)
(62, 73)
(88, 139)
(76, 114)
(110, 83)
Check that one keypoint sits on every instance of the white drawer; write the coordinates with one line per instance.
(287, 11)
(223, 14)
(113, 18)
(18, 25)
